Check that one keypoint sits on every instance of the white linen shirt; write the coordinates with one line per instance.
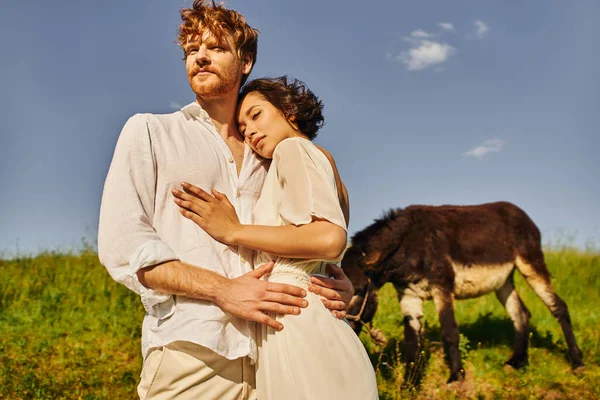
(141, 226)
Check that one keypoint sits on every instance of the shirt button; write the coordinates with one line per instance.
(230, 159)
(239, 194)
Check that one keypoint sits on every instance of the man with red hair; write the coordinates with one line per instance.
(201, 296)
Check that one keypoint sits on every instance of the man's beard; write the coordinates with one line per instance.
(218, 84)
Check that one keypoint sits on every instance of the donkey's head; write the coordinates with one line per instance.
(363, 305)
(375, 244)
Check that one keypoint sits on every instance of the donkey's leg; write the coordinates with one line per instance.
(535, 272)
(444, 304)
(519, 314)
(412, 310)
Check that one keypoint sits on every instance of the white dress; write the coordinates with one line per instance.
(316, 356)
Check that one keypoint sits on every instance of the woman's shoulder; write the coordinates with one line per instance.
(298, 146)
(293, 144)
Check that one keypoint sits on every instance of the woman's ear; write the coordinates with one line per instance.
(291, 119)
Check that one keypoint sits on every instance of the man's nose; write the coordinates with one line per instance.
(202, 56)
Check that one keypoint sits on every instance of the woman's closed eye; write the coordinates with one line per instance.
(255, 116)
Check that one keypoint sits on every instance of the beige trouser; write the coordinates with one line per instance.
(183, 370)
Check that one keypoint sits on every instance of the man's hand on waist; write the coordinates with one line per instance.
(250, 298)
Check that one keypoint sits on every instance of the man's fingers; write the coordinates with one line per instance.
(278, 308)
(334, 305)
(285, 299)
(339, 314)
(262, 270)
(287, 289)
(264, 319)
(329, 294)
(196, 191)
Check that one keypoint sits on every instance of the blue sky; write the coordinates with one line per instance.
(428, 102)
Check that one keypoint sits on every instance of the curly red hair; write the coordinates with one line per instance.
(218, 20)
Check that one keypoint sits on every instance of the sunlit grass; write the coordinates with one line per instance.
(68, 331)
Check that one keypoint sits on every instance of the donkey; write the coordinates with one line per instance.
(446, 253)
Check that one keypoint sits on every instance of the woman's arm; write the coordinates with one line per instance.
(319, 239)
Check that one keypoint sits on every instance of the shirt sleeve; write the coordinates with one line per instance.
(308, 188)
(127, 241)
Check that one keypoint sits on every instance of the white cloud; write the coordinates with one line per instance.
(482, 29)
(489, 146)
(447, 26)
(174, 105)
(426, 54)
(425, 49)
(420, 33)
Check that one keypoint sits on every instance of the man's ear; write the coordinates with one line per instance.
(247, 63)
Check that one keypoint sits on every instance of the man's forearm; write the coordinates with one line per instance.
(179, 278)
(247, 297)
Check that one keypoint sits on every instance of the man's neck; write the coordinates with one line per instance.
(222, 113)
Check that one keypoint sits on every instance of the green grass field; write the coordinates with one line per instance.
(67, 331)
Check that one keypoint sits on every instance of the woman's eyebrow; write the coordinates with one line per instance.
(250, 109)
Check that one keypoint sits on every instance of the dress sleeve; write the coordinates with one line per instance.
(308, 187)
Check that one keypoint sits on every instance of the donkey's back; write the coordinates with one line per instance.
(482, 244)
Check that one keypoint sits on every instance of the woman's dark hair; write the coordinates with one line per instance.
(293, 99)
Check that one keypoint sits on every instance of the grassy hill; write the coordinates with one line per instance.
(69, 332)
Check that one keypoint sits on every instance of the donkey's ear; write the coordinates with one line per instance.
(372, 259)
(399, 229)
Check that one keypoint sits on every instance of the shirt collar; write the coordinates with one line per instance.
(195, 110)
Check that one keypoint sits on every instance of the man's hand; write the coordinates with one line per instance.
(249, 297)
(337, 291)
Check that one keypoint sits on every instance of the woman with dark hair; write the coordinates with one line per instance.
(300, 223)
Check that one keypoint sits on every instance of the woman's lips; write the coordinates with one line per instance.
(258, 141)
